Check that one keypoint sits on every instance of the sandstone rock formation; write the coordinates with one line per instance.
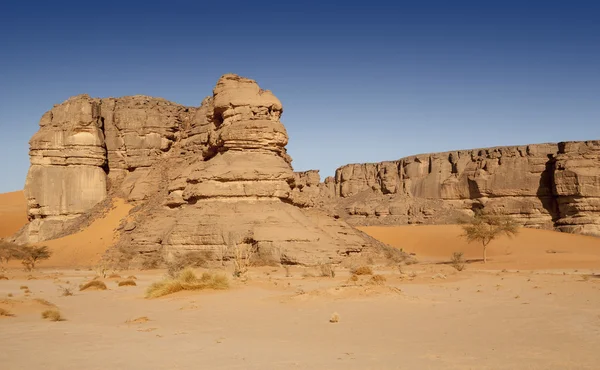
(542, 186)
(201, 179)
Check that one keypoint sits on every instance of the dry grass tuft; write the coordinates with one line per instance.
(327, 270)
(362, 270)
(9, 295)
(335, 317)
(94, 284)
(138, 320)
(65, 292)
(23, 287)
(52, 315)
(187, 280)
(377, 280)
(3, 277)
(127, 283)
(27, 291)
(114, 276)
(457, 261)
(4, 312)
(354, 278)
(44, 302)
(131, 277)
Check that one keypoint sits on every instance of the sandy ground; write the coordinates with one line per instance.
(13, 212)
(535, 305)
(429, 317)
(530, 249)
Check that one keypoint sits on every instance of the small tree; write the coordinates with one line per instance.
(33, 254)
(485, 228)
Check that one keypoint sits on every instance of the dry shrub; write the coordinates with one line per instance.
(4, 312)
(52, 315)
(362, 270)
(377, 280)
(189, 259)
(94, 284)
(65, 292)
(9, 295)
(127, 283)
(354, 278)
(23, 287)
(187, 280)
(27, 291)
(44, 302)
(114, 276)
(335, 317)
(138, 320)
(3, 277)
(131, 277)
(457, 261)
(327, 270)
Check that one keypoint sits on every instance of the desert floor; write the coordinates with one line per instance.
(535, 305)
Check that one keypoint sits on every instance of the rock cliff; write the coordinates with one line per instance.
(541, 185)
(201, 179)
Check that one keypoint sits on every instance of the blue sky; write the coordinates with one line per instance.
(359, 81)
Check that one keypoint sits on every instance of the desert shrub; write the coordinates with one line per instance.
(114, 276)
(3, 277)
(27, 291)
(457, 261)
(10, 251)
(44, 302)
(187, 280)
(52, 315)
(485, 228)
(362, 270)
(377, 280)
(94, 284)
(23, 287)
(354, 278)
(31, 255)
(131, 277)
(327, 270)
(5, 312)
(335, 317)
(190, 259)
(242, 258)
(65, 292)
(127, 283)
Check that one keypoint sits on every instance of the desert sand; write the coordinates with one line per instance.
(13, 212)
(534, 305)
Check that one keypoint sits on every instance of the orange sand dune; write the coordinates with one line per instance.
(86, 247)
(531, 249)
(13, 212)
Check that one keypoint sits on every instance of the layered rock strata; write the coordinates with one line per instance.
(210, 179)
(541, 185)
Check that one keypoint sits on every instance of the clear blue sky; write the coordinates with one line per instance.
(360, 81)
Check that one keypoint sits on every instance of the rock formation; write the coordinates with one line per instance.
(542, 186)
(201, 179)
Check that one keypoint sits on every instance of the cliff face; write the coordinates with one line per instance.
(201, 179)
(543, 185)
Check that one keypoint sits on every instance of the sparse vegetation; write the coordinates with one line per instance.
(127, 283)
(44, 302)
(457, 261)
(485, 228)
(362, 270)
(327, 270)
(114, 276)
(65, 292)
(33, 254)
(187, 280)
(52, 315)
(335, 317)
(3, 277)
(94, 284)
(131, 277)
(190, 259)
(23, 287)
(377, 280)
(29, 255)
(5, 312)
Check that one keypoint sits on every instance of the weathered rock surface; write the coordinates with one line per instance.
(541, 185)
(201, 179)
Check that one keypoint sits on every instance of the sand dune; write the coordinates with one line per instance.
(531, 249)
(86, 247)
(13, 212)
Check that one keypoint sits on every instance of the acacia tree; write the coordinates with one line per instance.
(33, 254)
(486, 228)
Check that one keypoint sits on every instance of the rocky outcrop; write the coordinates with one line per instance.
(201, 179)
(542, 186)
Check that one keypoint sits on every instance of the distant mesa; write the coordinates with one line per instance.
(204, 178)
